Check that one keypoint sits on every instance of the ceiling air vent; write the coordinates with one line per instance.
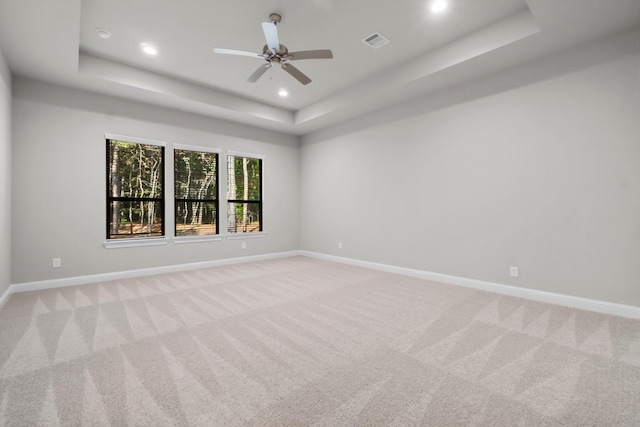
(376, 40)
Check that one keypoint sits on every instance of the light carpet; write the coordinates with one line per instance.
(303, 342)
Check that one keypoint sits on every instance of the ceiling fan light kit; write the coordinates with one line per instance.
(275, 53)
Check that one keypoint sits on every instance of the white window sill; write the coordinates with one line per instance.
(129, 243)
(157, 241)
(254, 235)
(196, 239)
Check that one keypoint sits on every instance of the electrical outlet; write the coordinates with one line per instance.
(56, 263)
(513, 271)
(244, 245)
(339, 245)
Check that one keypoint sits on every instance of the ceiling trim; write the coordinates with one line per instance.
(373, 93)
(382, 90)
(109, 70)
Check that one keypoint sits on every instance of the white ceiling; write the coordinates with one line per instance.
(56, 41)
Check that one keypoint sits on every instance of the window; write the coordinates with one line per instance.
(196, 191)
(138, 175)
(244, 194)
(135, 189)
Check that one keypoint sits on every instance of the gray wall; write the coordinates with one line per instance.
(536, 167)
(59, 182)
(5, 175)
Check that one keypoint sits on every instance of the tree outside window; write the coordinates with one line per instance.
(244, 194)
(196, 192)
(135, 190)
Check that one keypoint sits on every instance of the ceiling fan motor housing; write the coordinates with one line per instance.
(282, 51)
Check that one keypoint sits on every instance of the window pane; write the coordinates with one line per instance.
(244, 194)
(243, 180)
(196, 193)
(135, 219)
(135, 180)
(196, 218)
(244, 217)
(135, 170)
(195, 174)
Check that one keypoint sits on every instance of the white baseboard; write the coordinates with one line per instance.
(5, 296)
(105, 277)
(531, 294)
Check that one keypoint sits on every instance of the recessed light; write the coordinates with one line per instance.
(438, 6)
(283, 93)
(148, 49)
(102, 33)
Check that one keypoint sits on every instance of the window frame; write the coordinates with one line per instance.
(245, 235)
(203, 238)
(135, 241)
(168, 183)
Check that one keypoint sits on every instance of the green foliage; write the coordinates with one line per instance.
(195, 178)
(236, 167)
(195, 174)
(136, 169)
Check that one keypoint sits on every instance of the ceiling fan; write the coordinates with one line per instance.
(274, 52)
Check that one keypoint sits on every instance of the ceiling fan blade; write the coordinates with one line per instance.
(259, 72)
(297, 74)
(271, 35)
(310, 54)
(237, 52)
